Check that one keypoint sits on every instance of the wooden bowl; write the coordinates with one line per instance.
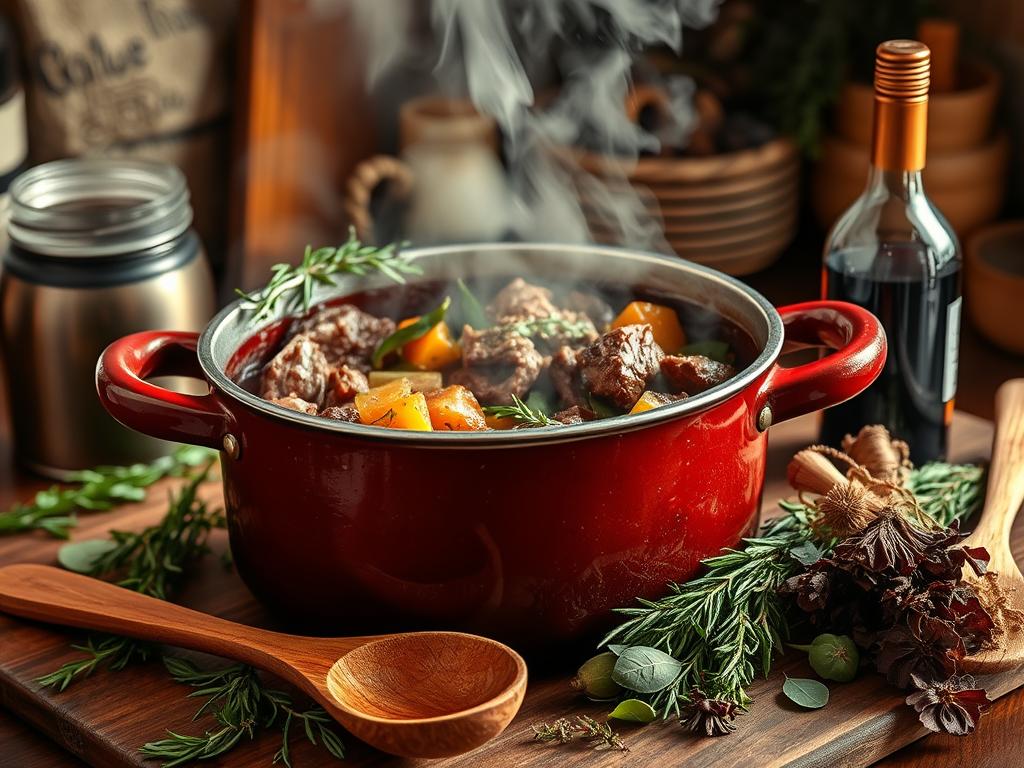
(994, 283)
(957, 120)
(968, 186)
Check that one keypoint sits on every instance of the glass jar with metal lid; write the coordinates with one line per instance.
(98, 248)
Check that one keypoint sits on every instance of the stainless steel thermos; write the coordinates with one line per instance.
(99, 248)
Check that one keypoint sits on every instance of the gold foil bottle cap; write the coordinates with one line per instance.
(902, 70)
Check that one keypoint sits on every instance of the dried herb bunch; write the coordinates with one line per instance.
(896, 586)
(852, 538)
(599, 736)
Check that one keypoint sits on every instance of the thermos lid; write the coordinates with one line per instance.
(98, 207)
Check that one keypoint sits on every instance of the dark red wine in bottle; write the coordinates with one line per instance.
(894, 254)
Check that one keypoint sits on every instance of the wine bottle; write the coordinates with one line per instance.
(895, 254)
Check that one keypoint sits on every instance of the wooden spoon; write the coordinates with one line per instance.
(1004, 497)
(419, 694)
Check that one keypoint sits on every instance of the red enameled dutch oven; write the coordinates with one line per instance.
(529, 536)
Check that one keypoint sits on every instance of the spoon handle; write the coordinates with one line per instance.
(1005, 492)
(48, 594)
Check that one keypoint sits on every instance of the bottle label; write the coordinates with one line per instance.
(952, 356)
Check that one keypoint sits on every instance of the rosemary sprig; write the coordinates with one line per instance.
(522, 413)
(549, 327)
(151, 562)
(293, 284)
(600, 736)
(241, 705)
(53, 510)
(725, 625)
(948, 492)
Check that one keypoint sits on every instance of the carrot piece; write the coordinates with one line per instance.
(663, 320)
(649, 400)
(409, 413)
(455, 409)
(434, 350)
(500, 422)
(375, 404)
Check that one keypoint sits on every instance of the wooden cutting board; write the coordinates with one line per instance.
(105, 718)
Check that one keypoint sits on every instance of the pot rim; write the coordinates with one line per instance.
(224, 385)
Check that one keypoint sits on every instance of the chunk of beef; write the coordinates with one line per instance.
(341, 413)
(346, 334)
(343, 384)
(618, 366)
(298, 370)
(593, 306)
(521, 299)
(296, 404)
(575, 415)
(497, 363)
(695, 373)
(565, 376)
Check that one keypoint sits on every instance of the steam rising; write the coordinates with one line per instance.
(493, 51)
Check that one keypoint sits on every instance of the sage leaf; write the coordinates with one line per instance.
(634, 711)
(410, 332)
(79, 556)
(472, 312)
(807, 553)
(809, 694)
(716, 350)
(645, 670)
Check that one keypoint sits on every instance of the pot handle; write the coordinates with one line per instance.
(860, 347)
(366, 177)
(121, 384)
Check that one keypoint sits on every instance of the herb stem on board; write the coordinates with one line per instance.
(522, 413)
(293, 285)
(151, 562)
(53, 510)
(241, 704)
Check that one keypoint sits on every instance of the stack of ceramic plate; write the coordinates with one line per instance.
(736, 212)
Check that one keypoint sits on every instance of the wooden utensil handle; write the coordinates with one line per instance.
(49, 594)
(1005, 492)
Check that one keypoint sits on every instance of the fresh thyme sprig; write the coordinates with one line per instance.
(241, 704)
(522, 413)
(53, 510)
(549, 327)
(600, 736)
(151, 562)
(293, 284)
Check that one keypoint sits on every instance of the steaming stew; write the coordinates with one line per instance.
(433, 357)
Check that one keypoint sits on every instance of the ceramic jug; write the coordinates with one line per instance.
(449, 175)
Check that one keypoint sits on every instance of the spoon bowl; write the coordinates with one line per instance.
(416, 694)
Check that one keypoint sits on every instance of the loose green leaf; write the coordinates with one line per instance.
(602, 408)
(645, 670)
(472, 311)
(81, 556)
(410, 332)
(617, 649)
(634, 711)
(537, 401)
(809, 694)
(716, 350)
(806, 553)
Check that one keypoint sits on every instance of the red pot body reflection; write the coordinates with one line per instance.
(532, 542)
